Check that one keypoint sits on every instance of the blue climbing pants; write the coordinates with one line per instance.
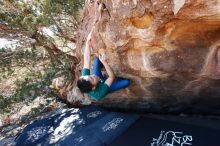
(116, 85)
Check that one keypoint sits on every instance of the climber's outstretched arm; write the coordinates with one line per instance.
(87, 52)
(111, 75)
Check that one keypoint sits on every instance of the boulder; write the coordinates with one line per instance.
(170, 49)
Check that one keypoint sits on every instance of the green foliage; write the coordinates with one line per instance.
(30, 16)
(70, 7)
(35, 83)
(29, 87)
(20, 58)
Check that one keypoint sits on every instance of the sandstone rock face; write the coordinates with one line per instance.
(170, 49)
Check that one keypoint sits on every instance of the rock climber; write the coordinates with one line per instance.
(96, 85)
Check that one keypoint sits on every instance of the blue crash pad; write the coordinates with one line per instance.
(89, 126)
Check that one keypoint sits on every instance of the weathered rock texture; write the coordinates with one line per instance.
(170, 49)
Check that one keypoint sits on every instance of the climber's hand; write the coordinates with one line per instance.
(102, 58)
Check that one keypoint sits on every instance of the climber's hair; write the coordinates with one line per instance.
(84, 85)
